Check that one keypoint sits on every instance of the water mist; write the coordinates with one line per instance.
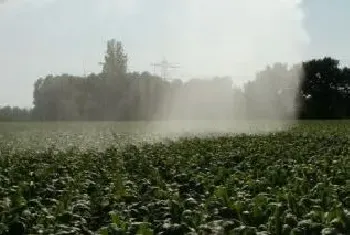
(234, 39)
(228, 39)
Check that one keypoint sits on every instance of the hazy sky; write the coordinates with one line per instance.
(207, 37)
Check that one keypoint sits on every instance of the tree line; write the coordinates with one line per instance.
(115, 94)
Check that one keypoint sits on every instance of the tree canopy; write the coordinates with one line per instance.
(115, 94)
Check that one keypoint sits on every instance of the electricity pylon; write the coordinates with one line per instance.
(164, 68)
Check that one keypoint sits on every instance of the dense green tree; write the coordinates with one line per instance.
(323, 86)
(8, 113)
(116, 61)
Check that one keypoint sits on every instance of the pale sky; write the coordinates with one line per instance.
(206, 37)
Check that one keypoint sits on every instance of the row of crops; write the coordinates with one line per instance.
(293, 182)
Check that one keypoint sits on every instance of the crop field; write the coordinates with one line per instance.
(94, 179)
